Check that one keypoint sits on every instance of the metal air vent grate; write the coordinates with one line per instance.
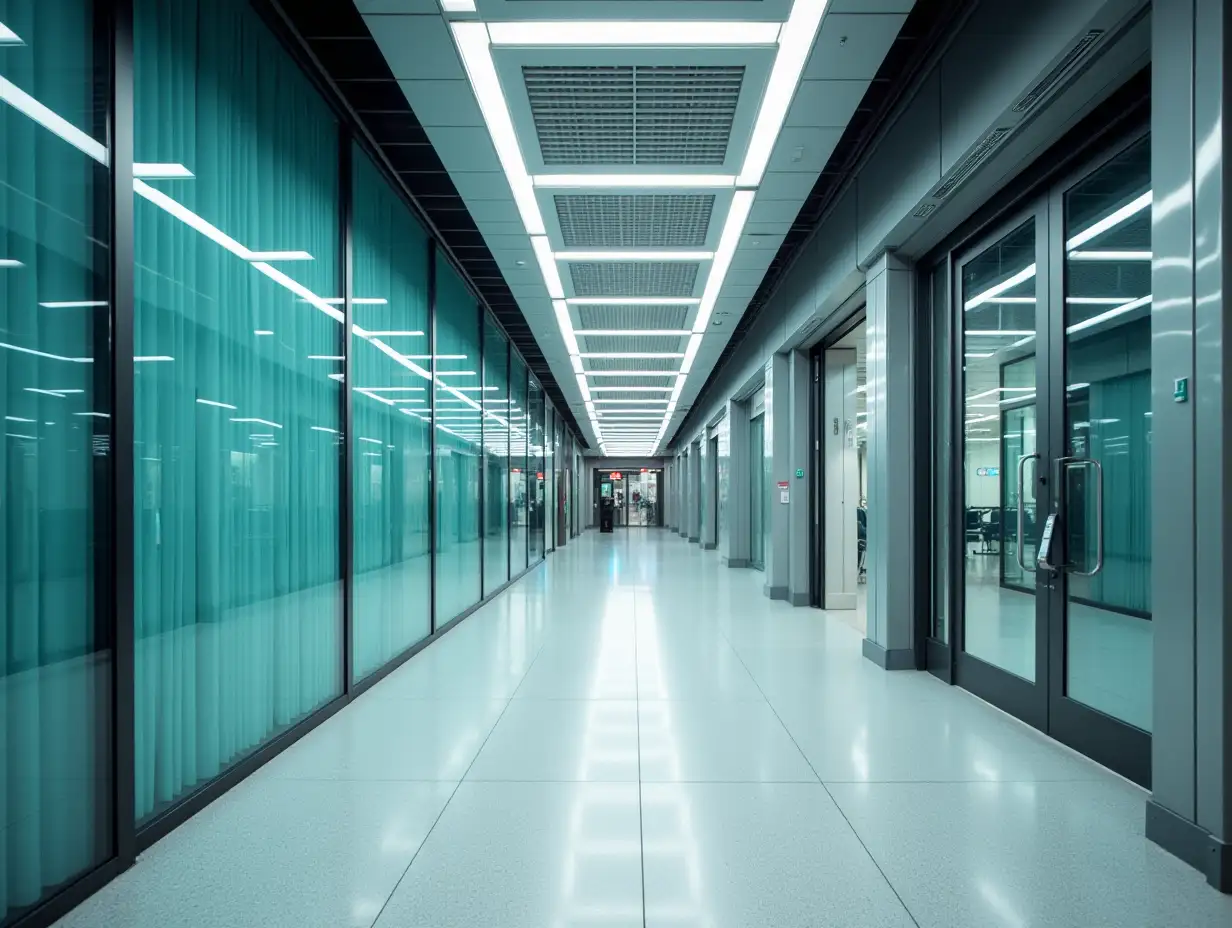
(636, 395)
(632, 317)
(924, 210)
(1081, 49)
(634, 382)
(633, 278)
(656, 343)
(628, 114)
(982, 151)
(634, 220)
(633, 364)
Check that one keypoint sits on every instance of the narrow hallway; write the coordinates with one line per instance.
(634, 735)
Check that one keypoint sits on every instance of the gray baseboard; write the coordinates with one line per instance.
(694, 539)
(736, 561)
(710, 545)
(799, 599)
(776, 592)
(892, 659)
(1191, 843)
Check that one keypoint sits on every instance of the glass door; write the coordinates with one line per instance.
(757, 489)
(1055, 422)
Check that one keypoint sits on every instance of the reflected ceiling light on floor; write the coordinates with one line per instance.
(472, 40)
(795, 45)
(634, 255)
(1114, 218)
(635, 180)
(547, 265)
(158, 170)
(733, 227)
(695, 342)
(1109, 255)
(634, 33)
(1110, 314)
(632, 301)
(981, 298)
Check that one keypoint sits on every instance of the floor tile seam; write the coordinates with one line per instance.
(452, 794)
(838, 807)
(637, 699)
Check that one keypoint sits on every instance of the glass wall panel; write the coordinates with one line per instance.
(56, 658)
(519, 539)
(534, 470)
(457, 417)
(392, 592)
(757, 490)
(496, 456)
(238, 595)
(1108, 430)
(942, 450)
(549, 478)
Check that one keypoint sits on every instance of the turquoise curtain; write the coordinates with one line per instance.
(496, 456)
(457, 420)
(534, 470)
(519, 514)
(391, 608)
(55, 648)
(238, 593)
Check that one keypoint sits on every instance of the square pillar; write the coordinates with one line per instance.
(734, 543)
(778, 469)
(889, 406)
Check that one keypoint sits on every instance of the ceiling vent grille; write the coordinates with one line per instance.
(634, 220)
(628, 114)
(633, 278)
(633, 364)
(633, 382)
(636, 395)
(924, 210)
(655, 343)
(982, 151)
(1081, 49)
(632, 317)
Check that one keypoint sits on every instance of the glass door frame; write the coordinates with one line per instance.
(1043, 703)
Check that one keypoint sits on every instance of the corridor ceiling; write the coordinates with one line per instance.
(633, 167)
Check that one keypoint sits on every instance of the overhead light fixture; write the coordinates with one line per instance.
(795, 45)
(157, 170)
(565, 323)
(630, 389)
(1109, 314)
(584, 387)
(634, 255)
(636, 402)
(458, 6)
(634, 33)
(576, 361)
(10, 262)
(635, 180)
(996, 290)
(632, 301)
(733, 227)
(1114, 218)
(547, 266)
(394, 334)
(695, 342)
(678, 333)
(473, 45)
(73, 304)
(279, 256)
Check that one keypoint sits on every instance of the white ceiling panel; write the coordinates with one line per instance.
(825, 103)
(397, 6)
(442, 103)
(485, 185)
(786, 185)
(468, 147)
(851, 46)
(774, 211)
(416, 47)
(804, 150)
(484, 210)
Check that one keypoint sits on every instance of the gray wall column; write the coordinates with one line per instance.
(889, 400)
(695, 491)
(799, 518)
(778, 462)
(734, 545)
(1190, 811)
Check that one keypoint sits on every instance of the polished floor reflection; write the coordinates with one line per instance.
(634, 735)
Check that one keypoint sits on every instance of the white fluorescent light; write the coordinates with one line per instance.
(1110, 255)
(326, 357)
(631, 354)
(576, 361)
(695, 342)
(1112, 219)
(565, 323)
(456, 374)
(472, 40)
(631, 373)
(17, 419)
(632, 301)
(263, 332)
(156, 170)
(394, 334)
(1109, 314)
(635, 180)
(634, 255)
(8, 36)
(439, 357)
(17, 98)
(981, 354)
(153, 357)
(996, 332)
(74, 304)
(733, 227)
(10, 262)
(584, 387)
(680, 333)
(458, 6)
(272, 425)
(279, 256)
(1021, 277)
(188, 217)
(60, 393)
(795, 45)
(646, 402)
(547, 266)
(634, 33)
(215, 403)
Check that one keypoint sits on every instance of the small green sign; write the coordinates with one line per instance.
(1180, 390)
(800, 472)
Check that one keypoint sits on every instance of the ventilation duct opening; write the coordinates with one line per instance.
(632, 317)
(983, 150)
(1081, 50)
(634, 220)
(633, 278)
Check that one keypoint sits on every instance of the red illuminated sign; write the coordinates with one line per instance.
(644, 470)
(539, 476)
(615, 475)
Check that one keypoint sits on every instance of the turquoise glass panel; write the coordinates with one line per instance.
(496, 456)
(519, 511)
(535, 471)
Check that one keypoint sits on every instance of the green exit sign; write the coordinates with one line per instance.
(1180, 390)
(800, 473)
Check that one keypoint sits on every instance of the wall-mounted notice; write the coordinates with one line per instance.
(784, 492)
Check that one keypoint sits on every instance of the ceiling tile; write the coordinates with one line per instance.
(786, 185)
(825, 103)
(483, 185)
(804, 149)
(416, 47)
(865, 38)
(442, 103)
(483, 209)
(464, 148)
(774, 210)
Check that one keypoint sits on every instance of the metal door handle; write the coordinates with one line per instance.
(1022, 511)
(1067, 463)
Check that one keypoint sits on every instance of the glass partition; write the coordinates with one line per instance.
(496, 456)
(535, 470)
(519, 429)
